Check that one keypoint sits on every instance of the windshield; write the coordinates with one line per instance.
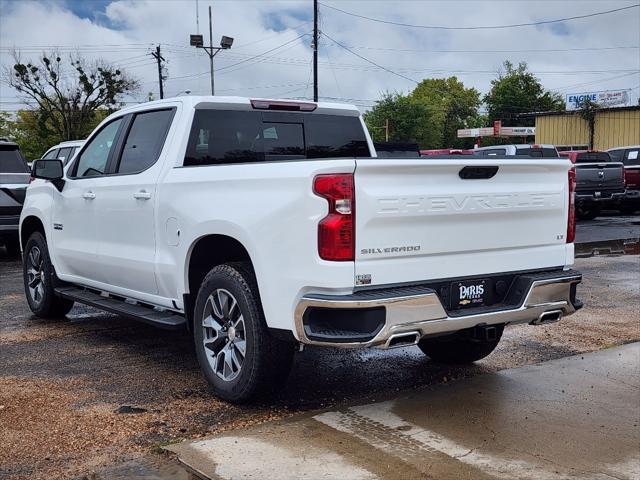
(11, 160)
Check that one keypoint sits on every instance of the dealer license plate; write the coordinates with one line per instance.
(468, 294)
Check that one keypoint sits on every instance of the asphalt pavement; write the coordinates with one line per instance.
(97, 395)
(576, 417)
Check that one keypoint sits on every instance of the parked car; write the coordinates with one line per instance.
(64, 151)
(630, 157)
(14, 178)
(599, 182)
(539, 151)
(264, 225)
(445, 151)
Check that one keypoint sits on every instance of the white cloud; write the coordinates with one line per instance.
(258, 26)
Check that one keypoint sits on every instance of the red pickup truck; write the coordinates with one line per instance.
(630, 157)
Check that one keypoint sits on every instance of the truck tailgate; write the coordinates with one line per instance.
(418, 220)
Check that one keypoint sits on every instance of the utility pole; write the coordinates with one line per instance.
(315, 50)
(386, 129)
(160, 59)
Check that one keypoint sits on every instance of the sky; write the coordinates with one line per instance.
(359, 59)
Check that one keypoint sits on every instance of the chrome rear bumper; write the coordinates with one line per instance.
(419, 310)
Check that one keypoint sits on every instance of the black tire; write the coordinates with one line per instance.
(629, 209)
(38, 274)
(12, 245)
(267, 360)
(587, 211)
(460, 347)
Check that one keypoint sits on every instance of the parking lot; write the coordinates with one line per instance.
(99, 396)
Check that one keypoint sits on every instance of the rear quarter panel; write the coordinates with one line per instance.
(271, 210)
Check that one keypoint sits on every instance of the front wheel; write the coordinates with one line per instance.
(238, 355)
(460, 347)
(38, 275)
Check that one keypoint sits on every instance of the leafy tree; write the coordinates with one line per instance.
(588, 110)
(450, 106)
(68, 96)
(406, 117)
(515, 91)
(6, 125)
(31, 131)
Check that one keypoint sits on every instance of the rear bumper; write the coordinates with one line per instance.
(632, 195)
(603, 197)
(418, 311)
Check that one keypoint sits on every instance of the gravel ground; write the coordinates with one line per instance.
(90, 395)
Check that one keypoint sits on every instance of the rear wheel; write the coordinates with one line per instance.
(587, 211)
(460, 347)
(38, 275)
(239, 357)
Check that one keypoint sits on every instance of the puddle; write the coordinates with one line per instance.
(628, 246)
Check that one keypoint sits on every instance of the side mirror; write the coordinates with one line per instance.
(49, 170)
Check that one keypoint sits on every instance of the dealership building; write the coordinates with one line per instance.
(614, 127)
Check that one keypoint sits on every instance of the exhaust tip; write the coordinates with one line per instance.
(548, 317)
(405, 339)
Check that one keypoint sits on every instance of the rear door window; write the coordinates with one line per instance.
(145, 140)
(220, 137)
(11, 160)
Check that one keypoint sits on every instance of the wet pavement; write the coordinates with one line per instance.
(607, 227)
(63, 382)
(576, 417)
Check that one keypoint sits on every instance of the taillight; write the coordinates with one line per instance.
(571, 220)
(336, 236)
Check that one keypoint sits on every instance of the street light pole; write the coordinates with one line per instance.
(198, 42)
(315, 50)
(213, 90)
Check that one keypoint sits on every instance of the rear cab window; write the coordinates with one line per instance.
(11, 160)
(223, 137)
(593, 157)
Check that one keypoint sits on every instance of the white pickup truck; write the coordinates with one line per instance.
(264, 225)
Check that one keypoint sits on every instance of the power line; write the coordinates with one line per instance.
(370, 61)
(525, 50)
(481, 27)
(263, 53)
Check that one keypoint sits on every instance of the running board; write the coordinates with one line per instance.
(148, 314)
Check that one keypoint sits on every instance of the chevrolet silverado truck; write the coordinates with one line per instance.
(262, 226)
(14, 178)
(600, 182)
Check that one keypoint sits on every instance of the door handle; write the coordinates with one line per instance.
(89, 195)
(142, 195)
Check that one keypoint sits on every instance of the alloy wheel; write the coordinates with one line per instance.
(224, 336)
(35, 275)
